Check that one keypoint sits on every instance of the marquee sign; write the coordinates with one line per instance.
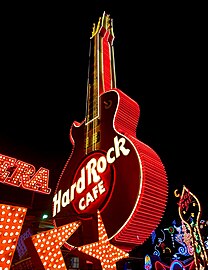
(109, 169)
(21, 174)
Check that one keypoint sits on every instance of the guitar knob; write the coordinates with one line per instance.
(108, 104)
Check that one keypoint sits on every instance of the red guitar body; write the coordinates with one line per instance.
(110, 170)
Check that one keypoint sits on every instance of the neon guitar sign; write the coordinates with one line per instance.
(109, 169)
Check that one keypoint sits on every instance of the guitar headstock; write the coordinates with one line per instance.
(105, 23)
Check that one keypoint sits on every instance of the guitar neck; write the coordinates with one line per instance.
(101, 70)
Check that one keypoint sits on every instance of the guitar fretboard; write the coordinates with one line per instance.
(101, 77)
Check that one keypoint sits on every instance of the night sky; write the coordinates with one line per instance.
(160, 61)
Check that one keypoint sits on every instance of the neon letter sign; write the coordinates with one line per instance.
(19, 173)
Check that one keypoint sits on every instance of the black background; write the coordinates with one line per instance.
(160, 61)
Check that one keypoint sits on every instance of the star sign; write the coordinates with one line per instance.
(103, 250)
(47, 245)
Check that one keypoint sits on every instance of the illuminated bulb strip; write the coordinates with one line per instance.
(11, 221)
